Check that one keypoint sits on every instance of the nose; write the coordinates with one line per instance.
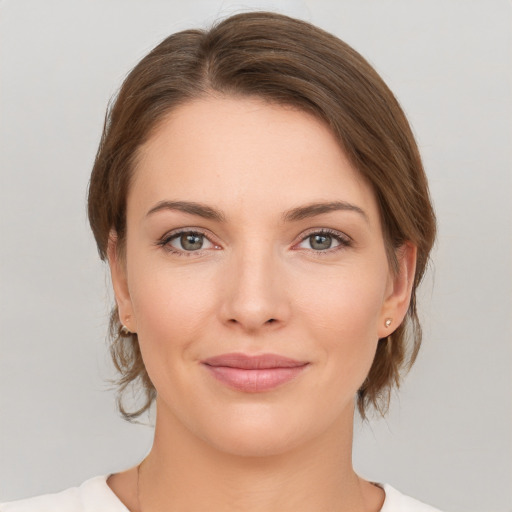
(254, 295)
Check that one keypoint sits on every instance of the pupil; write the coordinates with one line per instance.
(320, 241)
(191, 242)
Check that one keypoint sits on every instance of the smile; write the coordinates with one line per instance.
(253, 374)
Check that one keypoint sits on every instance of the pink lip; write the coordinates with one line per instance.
(253, 374)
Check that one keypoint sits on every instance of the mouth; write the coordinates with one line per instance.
(253, 374)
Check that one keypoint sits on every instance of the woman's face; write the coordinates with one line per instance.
(250, 234)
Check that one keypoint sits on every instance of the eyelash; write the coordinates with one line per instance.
(165, 241)
(343, 240)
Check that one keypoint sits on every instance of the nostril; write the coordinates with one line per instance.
(270, 321)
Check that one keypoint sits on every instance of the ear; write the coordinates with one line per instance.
(120, 284)
(399, 289)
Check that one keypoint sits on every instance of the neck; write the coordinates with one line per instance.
(183, 472)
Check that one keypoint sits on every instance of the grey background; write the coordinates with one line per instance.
(448, 437)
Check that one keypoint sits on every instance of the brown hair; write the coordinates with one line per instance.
(284, 61)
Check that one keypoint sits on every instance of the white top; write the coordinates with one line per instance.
(95, 495)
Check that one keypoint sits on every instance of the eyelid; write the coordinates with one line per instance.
(164, 241)
(343, 239)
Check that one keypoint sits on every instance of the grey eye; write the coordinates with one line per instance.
(320, 242)
(191, 241)
(188, 242)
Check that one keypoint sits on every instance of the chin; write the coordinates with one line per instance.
(261, 431)
(262, 442)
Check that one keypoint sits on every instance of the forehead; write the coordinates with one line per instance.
(246, 151)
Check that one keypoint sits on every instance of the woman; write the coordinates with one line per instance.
(263, 208)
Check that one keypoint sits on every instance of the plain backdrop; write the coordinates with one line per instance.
(448, 437)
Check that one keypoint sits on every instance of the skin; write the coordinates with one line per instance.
(259, 284)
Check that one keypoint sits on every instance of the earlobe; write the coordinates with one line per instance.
(120, 284)
(399, 291)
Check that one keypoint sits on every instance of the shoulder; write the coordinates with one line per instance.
(92, 496)
(397, 502)
(95, 494)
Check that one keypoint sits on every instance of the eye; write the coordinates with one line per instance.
(186, 242)
(323, 241)
(320, 242)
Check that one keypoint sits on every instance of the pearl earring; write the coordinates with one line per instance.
(388, 321)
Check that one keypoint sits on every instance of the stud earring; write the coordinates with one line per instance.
(125, 330)
(388, 321)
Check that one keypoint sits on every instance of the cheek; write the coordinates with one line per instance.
(342, 315)
(171, 308)
(344, 300)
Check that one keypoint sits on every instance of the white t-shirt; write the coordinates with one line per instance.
(95, 495)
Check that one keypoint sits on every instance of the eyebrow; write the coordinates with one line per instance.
(293, 215)
(314, 209)
(201, 210)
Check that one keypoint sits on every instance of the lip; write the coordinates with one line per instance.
(254, 374)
